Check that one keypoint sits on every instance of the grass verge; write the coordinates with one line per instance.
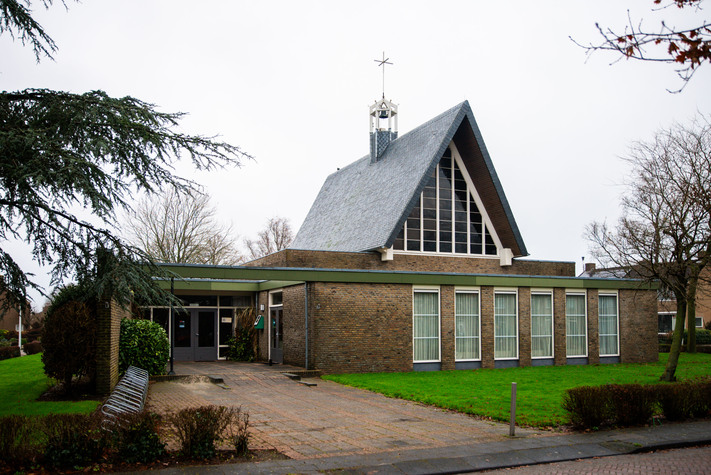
(487, 392)
(22, 381)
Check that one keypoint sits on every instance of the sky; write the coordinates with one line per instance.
(290, 83)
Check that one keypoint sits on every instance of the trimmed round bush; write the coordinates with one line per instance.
(143, 344)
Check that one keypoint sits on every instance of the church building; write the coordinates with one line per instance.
(410, 259)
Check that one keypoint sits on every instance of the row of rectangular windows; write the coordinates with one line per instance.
(426, 325)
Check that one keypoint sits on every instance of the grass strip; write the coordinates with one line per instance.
(22, 381)
(487, 392)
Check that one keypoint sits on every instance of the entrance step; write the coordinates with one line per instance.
(306, 383)
(303, 373)
(293, 376)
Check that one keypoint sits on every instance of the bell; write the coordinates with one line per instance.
(383, 114)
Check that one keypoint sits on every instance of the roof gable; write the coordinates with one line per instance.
(364, 205)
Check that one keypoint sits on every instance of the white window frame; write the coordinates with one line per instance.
(584, 294)
(428, 289)
(615, 294)
(467, 290)
(486, 220)
(270, 305)
(549, 293)
(514, 292)
(696, 321)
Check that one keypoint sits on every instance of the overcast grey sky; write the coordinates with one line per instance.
(291, 81)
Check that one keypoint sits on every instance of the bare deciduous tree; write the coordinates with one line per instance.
(276, 235)
(664, 233)
(182, 228)
(687, 48)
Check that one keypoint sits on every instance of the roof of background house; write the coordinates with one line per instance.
(364, 205)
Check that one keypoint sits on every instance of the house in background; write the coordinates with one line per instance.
(666, 303)
(410, 259)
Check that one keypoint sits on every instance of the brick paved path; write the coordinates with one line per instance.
(325, 420)
(680, 461)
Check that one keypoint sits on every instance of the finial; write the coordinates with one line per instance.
(383, 62)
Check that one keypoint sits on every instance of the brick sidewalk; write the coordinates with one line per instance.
(326, 420)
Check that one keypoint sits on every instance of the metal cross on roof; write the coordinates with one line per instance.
(383, 62)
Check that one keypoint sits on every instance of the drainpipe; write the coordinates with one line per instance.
(306, 320)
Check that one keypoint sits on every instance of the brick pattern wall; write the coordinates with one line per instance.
(368, 327)
(593, 327)
(447, 332)
(109, 316)
(487, 327)
(638, 338)
(524, 326)
(559, 341)
(361, 327)
(294, 326)
(409, 262)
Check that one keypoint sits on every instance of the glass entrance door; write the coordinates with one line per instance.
(195, 334)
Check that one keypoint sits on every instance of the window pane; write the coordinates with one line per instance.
(607, 325)
(576, 332)
(505, 331)
(425, 328)
(541, 325)
(466, 326)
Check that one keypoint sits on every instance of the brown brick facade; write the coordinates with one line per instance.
(108, 321)
(368, 327)
(410, 262)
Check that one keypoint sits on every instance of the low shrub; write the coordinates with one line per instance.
(136, 438)
(16, 442)
(631, 404)
(703, 337)
(143, 344)
(239, 432)
(5, 342)
(32, 347)
(73, 440)
(7, 352)
(199, 428)
(675, 401)
(588, 406)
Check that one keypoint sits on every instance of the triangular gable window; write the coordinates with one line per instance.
(446, 219)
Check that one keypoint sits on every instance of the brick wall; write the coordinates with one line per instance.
(361, 327)
(368, 327)
(108, 321)
(409, 262)
(638, 337)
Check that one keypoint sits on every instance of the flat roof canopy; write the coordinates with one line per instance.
(254, 279)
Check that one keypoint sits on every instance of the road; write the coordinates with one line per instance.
(696, 460)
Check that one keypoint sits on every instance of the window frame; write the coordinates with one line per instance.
(615, 294)
(514, 292)
(487, 225)
(584, 294)
(468, 290)
(431, 290)
(548, 293)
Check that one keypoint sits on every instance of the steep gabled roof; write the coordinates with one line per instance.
(363, 206)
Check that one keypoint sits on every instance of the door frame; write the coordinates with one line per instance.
(194, 352)
(275, 354)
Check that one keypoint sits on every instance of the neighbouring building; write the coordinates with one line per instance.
(410, 259)
(666, 303)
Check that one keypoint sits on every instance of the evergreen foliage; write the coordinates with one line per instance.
(143, 344)
(60, 152)
(69, 336)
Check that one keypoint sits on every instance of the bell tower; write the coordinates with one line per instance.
(383, 120)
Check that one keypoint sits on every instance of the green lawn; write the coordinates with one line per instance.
(487, 392)
(22, 380)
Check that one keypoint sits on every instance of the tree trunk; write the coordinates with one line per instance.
(676, 342)
(691, 316)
